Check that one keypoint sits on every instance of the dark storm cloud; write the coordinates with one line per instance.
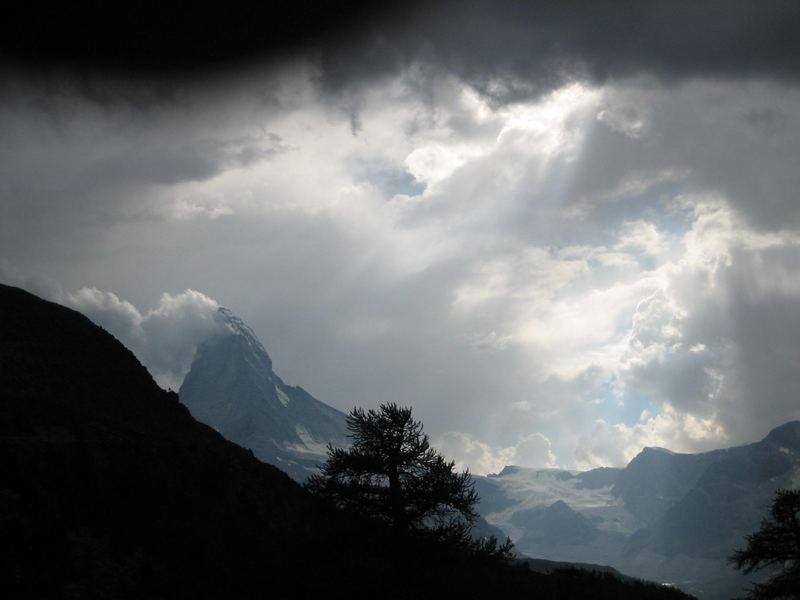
(77, 147)
(168, 39)
(507, 49)
(748, 138)
(169, 163)
(511, 50)
(751, 324)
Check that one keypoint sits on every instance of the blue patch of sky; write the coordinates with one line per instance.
(601, 227)
(625, 407)
(654, 205)
(389, 180)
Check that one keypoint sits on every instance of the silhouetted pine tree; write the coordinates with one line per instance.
(777, 546)
(392, 474)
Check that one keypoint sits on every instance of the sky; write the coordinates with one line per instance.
(560, 231)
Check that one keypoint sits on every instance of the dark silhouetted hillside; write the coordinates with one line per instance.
(110, 489)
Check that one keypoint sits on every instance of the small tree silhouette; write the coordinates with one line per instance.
(775, 545)
(392, 474)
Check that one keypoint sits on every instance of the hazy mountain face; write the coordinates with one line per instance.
(232, 387)
(668, 517)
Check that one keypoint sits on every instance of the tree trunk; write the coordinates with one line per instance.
(396, 498)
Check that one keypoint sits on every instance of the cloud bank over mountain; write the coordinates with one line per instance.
(164, 338)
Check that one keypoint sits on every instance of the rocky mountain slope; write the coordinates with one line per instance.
(667, 517)
(232, 387)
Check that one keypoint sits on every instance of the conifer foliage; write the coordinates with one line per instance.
(392, 474)
(776, 546)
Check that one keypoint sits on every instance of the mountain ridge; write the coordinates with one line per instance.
(666, 516)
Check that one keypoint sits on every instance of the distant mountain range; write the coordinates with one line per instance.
(110, 489)
(666, 517)
(232, 387)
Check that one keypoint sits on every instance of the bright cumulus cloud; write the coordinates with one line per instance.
(555, 279)
(164, 338)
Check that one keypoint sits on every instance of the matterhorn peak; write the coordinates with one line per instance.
(232, 387)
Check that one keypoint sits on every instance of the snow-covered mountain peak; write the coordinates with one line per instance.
(238, 327)
(232, 386)
(659, 450)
